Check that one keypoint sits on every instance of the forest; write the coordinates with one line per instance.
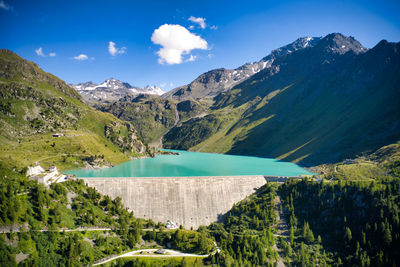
(39, 215)
(357, 221)
(340, 221)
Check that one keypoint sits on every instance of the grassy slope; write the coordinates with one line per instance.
(35, 104)
(151, 116)
(308, 112)
(383, 163)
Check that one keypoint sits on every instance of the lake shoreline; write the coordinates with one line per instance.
(178, 163)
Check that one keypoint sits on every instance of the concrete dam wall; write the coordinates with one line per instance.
(188, 201)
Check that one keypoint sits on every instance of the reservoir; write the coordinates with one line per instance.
(196, 164)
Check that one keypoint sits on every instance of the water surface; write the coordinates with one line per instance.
(196, 164)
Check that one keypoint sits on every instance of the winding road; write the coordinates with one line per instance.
(145, 253)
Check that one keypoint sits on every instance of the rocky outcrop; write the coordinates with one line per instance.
(130, 142)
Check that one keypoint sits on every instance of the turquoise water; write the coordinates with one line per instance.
(196, 164)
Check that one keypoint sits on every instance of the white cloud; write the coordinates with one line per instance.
(81, 57)
(191, 27)
(113, 50)
(4, 6)
(176, 41)
(200, 21)
(39, 52)
(213, 27)
(210, 55)
(191, 58)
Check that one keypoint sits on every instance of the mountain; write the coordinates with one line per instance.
(329, 101)
(213, 82)
(151, 115)
(111, 90)
(35, 105)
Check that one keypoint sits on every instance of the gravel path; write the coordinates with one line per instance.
(281, 227)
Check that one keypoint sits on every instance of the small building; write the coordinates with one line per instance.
(34, 170)
(58, 134)
(53, 169)
(52, 175)
(171, 225)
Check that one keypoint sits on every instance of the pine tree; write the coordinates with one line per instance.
(291, 235)
(347, 235)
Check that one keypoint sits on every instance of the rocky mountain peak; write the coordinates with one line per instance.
(298, 44)
(112, 90)
(384, 45)
(337, 43)
(115, 84)
(153, 90)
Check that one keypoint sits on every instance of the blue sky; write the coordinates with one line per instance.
(232, 33)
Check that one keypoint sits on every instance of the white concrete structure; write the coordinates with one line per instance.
(171, 225)
(34, 170)
(188, 201)
(46, 177)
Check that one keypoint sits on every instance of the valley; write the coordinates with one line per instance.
(326, 103)
(257, 113)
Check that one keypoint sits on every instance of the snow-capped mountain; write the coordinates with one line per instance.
(149, 90)
(215, 81)
(300, 43)
(111, 90)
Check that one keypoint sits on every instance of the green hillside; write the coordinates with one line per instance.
(316, 105)
(34, 105)
(151, 115)
(96, 226)
(383, 163)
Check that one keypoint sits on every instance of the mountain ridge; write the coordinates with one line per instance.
(314, 105)
(112, 90)
(35, 105)
(212, 82)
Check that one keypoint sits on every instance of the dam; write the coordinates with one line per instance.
(190, 188)
(188, 201)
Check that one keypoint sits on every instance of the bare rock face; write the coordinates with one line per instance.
(188, 201)
(213, 82)
(130, 142)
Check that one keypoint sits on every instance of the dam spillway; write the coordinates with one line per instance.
(188, 201)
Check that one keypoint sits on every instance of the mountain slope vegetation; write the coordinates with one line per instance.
(151, 115)
(321, 104)
(35, 105)
(215, 81)
(33, 218)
